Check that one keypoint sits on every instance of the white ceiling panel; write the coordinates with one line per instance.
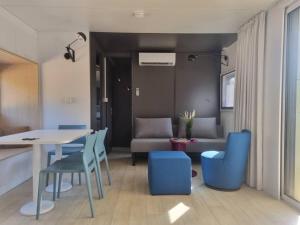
(162, 16)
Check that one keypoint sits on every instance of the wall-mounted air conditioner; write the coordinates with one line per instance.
(157, 59)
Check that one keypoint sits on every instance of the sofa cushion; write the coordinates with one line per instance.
(182, 129)
(201, 145)
(14, 130)
(153, 128)
(148, 144)
(204, 128)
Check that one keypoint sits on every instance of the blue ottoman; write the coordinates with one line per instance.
(169, 173)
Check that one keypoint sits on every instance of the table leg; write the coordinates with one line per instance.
(65, 186)
(30, 208)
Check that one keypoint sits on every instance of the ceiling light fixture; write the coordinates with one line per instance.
(139, 13)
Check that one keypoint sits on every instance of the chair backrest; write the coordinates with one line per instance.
(99, 146)
(236, 152)
(88, 151)
(74, 127)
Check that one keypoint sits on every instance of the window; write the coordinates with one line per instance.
(291, 106)
(227, 90)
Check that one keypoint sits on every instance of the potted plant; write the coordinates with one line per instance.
(188, 118)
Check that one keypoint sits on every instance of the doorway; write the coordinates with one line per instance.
(120, 72)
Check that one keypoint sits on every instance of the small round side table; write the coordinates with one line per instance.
(180, 144)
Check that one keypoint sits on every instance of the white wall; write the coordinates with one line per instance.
(227, 115)
(62, 79)
(17, 37)
(20, 39)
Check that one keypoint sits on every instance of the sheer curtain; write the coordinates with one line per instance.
(248, 110)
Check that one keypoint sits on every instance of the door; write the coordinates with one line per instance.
(120, 70)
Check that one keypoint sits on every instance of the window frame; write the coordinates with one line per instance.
(222, 78)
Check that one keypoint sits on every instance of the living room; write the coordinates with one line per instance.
(181, 72)
(151, 112)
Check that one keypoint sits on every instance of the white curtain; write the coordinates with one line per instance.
(248, 110)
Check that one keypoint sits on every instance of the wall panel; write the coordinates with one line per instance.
(19, 96)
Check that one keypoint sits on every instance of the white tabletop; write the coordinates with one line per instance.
(45, 137)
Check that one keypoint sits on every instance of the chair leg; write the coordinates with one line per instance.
(54, 186)
(72, 179)
(59, 184)
(89, 189)
(79, 178)
(48, 164)
(39, 198)
(107, 169)
(99, 181)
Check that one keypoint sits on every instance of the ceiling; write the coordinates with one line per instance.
(162, 16)
(130, 42)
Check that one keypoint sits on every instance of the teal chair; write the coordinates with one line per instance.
(87, 165)
(100, 155)
(69, 149)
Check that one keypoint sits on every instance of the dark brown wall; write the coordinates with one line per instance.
(120, 69)
(169, 91)
(156, 84)
(197, 85)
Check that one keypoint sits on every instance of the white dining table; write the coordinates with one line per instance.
(42, 137)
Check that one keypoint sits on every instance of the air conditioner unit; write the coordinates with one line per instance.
(157, 59)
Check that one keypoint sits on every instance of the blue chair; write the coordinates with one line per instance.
(68, 149)
(87, 165)
(227, 170)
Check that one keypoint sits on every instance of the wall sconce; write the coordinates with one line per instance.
(70, 54)
(224, 58)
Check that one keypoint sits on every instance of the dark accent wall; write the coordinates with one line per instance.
(197, 85)
(169, 91)
(120, 69)
(156, 86)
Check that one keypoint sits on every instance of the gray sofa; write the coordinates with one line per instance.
(155, 133)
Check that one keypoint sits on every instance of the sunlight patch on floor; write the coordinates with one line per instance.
(177, 211)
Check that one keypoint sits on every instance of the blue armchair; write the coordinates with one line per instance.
(226, 170)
